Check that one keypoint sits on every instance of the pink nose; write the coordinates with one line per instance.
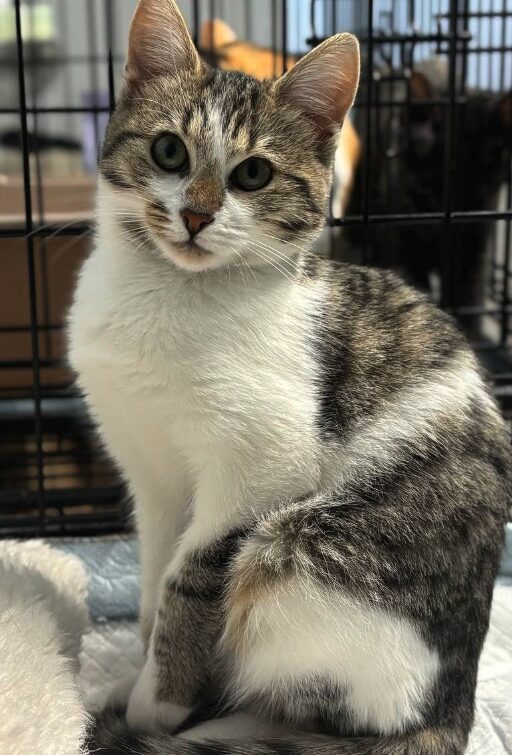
(195, 221)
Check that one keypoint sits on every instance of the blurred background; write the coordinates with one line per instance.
(422, 184)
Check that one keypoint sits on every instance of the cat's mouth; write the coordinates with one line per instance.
(191, 248)
(190, 256)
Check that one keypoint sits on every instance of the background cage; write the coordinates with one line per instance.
(60, 67)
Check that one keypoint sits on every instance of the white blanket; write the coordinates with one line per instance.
(42, 617)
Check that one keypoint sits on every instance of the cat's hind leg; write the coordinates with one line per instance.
(312, 653)
(343, 617)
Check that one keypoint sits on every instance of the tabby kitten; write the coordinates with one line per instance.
(320, 474)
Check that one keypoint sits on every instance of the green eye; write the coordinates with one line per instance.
(169, 153)
(252, 174)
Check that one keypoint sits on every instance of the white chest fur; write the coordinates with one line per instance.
(210, 373)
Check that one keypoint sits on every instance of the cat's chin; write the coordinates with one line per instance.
(191, 257)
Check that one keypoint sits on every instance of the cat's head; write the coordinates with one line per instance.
(206, 166)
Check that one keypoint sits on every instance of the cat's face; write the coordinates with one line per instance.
(213, 168)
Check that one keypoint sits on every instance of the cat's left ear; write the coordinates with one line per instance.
(323, 83)
(159, 42)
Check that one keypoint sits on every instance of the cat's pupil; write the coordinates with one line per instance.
(170, 150)
(252, 169)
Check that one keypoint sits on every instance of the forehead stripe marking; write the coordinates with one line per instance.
(187, 117)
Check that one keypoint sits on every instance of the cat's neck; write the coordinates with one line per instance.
(143, 266)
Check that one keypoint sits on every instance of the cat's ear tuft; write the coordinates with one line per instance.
(159, 42)
(215, 33)
(324, 82)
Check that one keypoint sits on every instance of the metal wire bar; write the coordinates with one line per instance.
(57, 109)
(414, 218)
(382, 38)
(284, 34)
(93, 73)
(12, 364)
(42, 256)
(505, 318)
(368, 135)
(35, 362)
(109, 27)
(447, 273)
(469, 14)
(273, 33)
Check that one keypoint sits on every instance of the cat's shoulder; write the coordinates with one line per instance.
(350, 276)
(377, 311)
(368, 287)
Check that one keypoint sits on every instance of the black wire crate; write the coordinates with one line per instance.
(422, 184)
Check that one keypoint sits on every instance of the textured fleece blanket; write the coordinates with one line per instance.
(42, 618)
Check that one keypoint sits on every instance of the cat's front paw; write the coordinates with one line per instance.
(145, 712)
(152, 716)
(118, 695)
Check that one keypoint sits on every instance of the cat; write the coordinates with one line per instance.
(412, 180)
(320, 474)
(220, 46)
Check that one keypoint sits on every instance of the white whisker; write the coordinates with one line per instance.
(284, 258)
(289, 243)
(260, 253)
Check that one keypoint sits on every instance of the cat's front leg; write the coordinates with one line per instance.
(160, 509)
(146, 711)
(179, 661)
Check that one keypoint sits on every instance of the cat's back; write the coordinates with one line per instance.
(386, 350)
(372, 317)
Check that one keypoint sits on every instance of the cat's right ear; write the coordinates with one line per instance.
(159, 42)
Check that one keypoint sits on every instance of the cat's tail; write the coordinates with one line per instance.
(113, 737)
